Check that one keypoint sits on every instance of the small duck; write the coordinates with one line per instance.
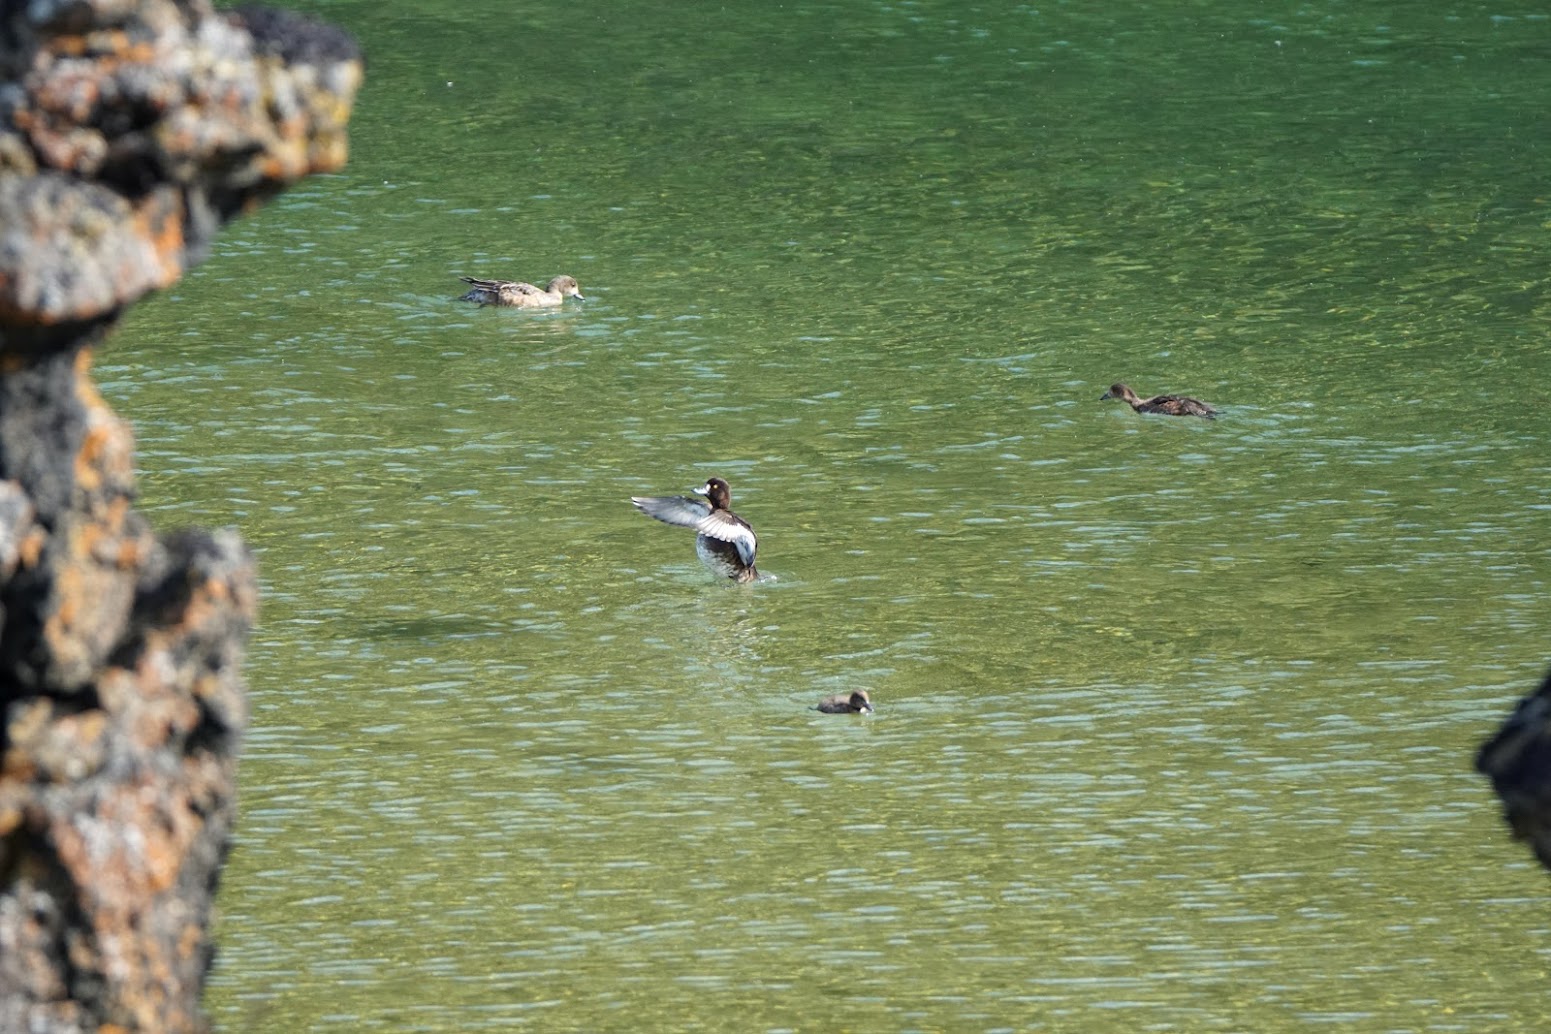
(725, 543)
(856, 703)
(1172, 405)
(519, 295)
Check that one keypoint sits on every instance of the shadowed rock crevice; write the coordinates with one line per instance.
(130, 130)
(1518, 762)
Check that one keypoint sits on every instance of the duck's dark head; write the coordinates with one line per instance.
(860, 701)
(716, 490)
(1118, 391)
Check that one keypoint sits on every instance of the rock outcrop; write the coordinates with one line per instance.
(130, 130)
(1518, 761)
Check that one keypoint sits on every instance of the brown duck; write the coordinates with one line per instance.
(1171, 405)
(855, 703)
(724, 542)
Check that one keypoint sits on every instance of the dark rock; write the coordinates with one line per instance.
(294, 39)
(130, 130)
(1518, 762)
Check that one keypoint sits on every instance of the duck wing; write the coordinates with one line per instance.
(730, 528)
(1176, 405)
(503, 289)
(502, 285)
(682, 510)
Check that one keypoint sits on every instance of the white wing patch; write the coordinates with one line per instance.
(729, 529)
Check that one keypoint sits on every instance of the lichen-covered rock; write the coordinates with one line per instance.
(1518, 762)
(130, 130)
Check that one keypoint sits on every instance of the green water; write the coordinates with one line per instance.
(1175, 718)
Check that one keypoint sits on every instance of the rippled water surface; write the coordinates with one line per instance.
(1175, 718)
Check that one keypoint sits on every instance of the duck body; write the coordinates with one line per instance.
(518, 295)
(1169, 405)
(724, 542)
(842, 703)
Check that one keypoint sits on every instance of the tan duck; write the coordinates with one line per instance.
(1170, 405)
(519, 295)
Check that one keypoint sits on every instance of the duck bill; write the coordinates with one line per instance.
(1106, 395)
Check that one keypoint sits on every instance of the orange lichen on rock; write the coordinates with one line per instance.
(150, 127)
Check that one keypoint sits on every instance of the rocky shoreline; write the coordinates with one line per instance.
(130, 131)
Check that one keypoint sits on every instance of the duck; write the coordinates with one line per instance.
(1171, 405)
(519, 295)
(725, 542)
(840, 703)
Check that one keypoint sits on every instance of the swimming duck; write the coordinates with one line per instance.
(856, 703)
(725, 542)
(1172, 405)
(519, 295)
